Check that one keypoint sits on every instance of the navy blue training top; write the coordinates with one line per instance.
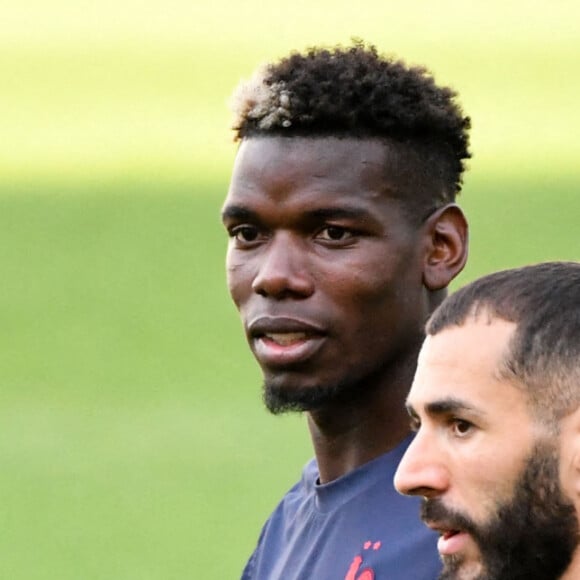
(354, 528)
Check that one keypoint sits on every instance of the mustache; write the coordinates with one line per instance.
(434, 511)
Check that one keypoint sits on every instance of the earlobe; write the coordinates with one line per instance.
(446, 238)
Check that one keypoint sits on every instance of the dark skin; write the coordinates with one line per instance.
(334, 283)
(346, 437)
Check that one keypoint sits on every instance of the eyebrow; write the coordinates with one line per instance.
(445, 406)
(238, 212)
(340, 212)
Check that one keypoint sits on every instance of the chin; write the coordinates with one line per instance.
(283, 397)
(456, 569)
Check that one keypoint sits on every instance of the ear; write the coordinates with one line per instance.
(446, 238)
(570, 456)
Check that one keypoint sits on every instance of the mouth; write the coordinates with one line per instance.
(284, 341)
(451, 540)
(284, 338)
(448, 534)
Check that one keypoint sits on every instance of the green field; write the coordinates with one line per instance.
(133, 443)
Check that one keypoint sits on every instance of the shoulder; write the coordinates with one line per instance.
(271, 542)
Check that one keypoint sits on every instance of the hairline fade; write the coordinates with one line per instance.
(354, 92)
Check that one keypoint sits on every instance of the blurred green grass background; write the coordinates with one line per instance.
(133, 443)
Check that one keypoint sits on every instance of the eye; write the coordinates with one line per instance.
(461, 427)
(335, 234)
(244, 234)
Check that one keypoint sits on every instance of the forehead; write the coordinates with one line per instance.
(323, 164)
(463, 362)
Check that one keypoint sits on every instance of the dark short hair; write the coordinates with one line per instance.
(543, 300)
(356, 92)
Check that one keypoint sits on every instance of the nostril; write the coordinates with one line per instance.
(282, 284)
(271, 284)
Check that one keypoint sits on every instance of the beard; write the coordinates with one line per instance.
(357, 384)
(279, 400)
(530, 537)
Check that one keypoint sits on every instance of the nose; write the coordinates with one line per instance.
(423, 470)
(283, 270)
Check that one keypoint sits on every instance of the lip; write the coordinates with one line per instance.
(283, 341)
(451, 540)
(452, 543)
(272, 324)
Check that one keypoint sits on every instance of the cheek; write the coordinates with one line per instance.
(386, 294)
(394, 272)
(239, 280)
(372, 280)
(488, 482)
(363, 299)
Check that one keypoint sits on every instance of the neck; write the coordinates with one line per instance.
(348, 435)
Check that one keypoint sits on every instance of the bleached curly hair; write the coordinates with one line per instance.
(356, 92)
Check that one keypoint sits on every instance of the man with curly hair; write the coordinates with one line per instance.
(344, 235)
